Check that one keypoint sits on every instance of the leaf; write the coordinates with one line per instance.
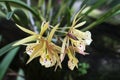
(96, 5)
(103, 17)
(6, 48)
(9, 15)
(21, 16)
(0, 38)
(22, 4)
(6, 61)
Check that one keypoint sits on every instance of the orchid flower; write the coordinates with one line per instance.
(43, 47)
(77, 40)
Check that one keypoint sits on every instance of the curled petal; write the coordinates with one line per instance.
(88, 39)
(80, 50)
(47, 60)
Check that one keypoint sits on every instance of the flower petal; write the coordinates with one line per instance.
(38, 50)
(80, 24)
(47, 60)
(44, 27)
(25, 40)
(25, 30)
(88, 38)
(52, 33)
(72, 63)
(62, 55)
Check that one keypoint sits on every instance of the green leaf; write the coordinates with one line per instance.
(103, 17)
(96, 5)
(6, 61)
(6, 48)
(22, 16)
(0, 38)
(9, 15)
(117, 13)
(22, 4)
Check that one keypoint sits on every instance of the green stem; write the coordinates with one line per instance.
(103, 18)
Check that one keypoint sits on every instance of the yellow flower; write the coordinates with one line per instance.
(75, 41)
(48, 52)
(43, 47)
(77, 38)
(73, 61)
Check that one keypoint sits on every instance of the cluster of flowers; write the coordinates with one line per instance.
(51, 54)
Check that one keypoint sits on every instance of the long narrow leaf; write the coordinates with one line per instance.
(22, 4)
(6, 61)
(6, 48)
(96, 5)
(103, 17)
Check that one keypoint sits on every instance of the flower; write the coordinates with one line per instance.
(47, 51)
(82, 39)
(73, 61)
(75, 41)
(43, 47)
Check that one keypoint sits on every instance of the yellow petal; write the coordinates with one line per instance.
(74, 20)
(62, 55)
(80, 24)
(44, 28)
(72, 63)
(25, 40)
(32, 48)
(63, 45)
(58, 61)
(39, 49)
(52, 33)
(25, 30)
(83, 35)
(70, 54)
(78, 33)
(34, 55)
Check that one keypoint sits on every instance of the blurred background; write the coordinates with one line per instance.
(103, 21)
